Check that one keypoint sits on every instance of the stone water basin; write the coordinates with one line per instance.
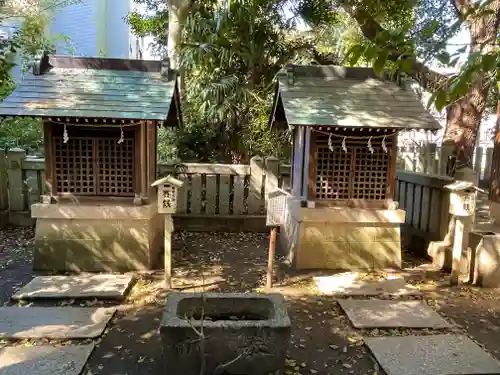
(235, 333)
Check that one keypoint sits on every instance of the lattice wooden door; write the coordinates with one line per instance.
(115, 167)
(74, 166)
(355, 172)
(332, 172)
(94, 166)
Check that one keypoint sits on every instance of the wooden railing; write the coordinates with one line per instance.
(426, 203)
(432, 159)
(223, 190)
(229, 191)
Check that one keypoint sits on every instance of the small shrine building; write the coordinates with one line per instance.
(344, 124)
(100, 121)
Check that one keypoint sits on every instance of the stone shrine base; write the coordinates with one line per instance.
(96, 238)
(343, 238)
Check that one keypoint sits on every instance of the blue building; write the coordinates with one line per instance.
(93, 28)
(96, 28)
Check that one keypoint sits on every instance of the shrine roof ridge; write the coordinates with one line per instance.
(328, 95)
(96, 88)
(336, 71)
(97, 63)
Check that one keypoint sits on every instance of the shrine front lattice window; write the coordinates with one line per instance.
(95, 165)
(74, 164)
(116, 167)
(351, 171)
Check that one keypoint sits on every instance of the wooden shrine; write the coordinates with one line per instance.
(101, 118)
(344, 124)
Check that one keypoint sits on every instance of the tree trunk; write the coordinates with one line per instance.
(463, 120)
(178, 11)
(464, 117)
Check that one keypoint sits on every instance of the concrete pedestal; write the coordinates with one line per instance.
(96, 238)
(486, 264)
(343, 238)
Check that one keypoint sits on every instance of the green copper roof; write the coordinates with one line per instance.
(315, 95)
(95, 88)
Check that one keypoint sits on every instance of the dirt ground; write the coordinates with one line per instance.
(323, 341)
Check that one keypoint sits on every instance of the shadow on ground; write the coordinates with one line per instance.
(323, 341)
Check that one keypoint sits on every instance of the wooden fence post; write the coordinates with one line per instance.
(488, 163)
(478, 161)
(429, 151)
(15, 157)
(4, 184)
(409, 160)
(255, 203)
(272, 174)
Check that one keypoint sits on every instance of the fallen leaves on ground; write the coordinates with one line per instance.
(323, 341)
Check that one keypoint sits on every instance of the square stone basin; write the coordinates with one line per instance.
(235, 333)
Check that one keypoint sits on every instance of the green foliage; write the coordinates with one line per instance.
(230, 53)
(28, 42)
(420, 30)
(152, 24)
(25, 133)
(315, 13)
(231, 56)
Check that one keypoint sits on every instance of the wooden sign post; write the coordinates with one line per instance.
(271, 255)
(167, 258)
(168, 192)
(458, 237)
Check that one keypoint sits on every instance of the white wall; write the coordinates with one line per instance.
(120, 42)
(79, 23)
(95, 28)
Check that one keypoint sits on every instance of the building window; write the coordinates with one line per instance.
(353, 174)
(95, 163)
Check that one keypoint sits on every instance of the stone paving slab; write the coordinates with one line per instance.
(53, 322)
(44, 359)
(102, 286)
(391, 314)
(345, 284)
(431, 355)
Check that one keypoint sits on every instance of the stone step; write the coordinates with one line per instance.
(44, 359)
(431, 355)
(101, 286)
(420, 272)
(391, 314)
(347, 284)
(62, 323)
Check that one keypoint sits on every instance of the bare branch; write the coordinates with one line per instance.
(198, 333)
(203, 363)
(222, 366)
(461, 7)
